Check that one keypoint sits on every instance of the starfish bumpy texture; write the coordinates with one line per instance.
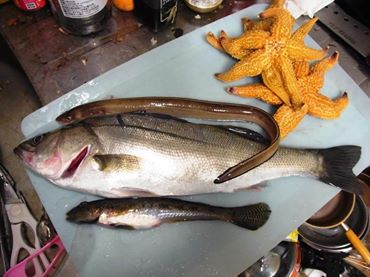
(248, 25)
(310, 80)
(270, 49)
(271, 54)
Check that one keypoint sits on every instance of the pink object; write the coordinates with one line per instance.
(19, 270)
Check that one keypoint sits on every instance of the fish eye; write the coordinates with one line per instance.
(68, 118)
(37, 140)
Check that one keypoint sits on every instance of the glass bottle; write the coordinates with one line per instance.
(81, 17)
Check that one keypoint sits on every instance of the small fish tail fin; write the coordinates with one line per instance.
(251, 217)
(339, 162)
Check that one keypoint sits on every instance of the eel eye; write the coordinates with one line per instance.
(68, 118)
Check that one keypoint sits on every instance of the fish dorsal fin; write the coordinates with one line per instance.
(116, 162)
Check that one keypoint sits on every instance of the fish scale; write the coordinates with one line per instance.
(145, 154)
(225, 153)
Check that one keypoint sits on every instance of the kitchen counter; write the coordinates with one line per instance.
(57, 63)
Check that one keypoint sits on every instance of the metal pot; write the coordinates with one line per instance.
(282, 260)
(330, 236)
(337, 210)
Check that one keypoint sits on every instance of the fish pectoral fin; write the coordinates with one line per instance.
(123, 226)
(256, 187)
(132, 192)
(116, 162)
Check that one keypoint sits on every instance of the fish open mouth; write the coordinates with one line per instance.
(76, 162)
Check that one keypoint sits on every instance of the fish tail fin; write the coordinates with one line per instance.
(251, 217)
(338, 164)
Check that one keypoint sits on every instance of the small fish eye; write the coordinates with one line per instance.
(68, 118)
(37, 140)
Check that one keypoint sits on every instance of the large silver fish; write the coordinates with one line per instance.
(145, 154)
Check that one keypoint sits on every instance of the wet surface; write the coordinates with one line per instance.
(18, 99)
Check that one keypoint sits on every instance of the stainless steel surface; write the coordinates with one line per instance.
(57, 63)
(45, 230)
(282, 260)
(349, 29)
(267, 266)
(5, 229)
(11, 196)
(19, 216)
(17, 99)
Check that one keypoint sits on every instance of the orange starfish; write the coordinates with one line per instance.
(239, 51)
(261, 24)
(310, 80)
(288, 118)
(272, 55)
(248, 25)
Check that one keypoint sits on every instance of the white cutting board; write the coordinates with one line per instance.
(184, 68)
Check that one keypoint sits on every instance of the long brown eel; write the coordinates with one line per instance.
(182, 107)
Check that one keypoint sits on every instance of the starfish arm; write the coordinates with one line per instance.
(247, 23)
(290, 81)
(323, 107)
(249, 66)
(256, 25)
(310, 84)
(258, 91)
(237, 53)
(277, 3)
(214, 41)
(323, 65)
(301, 68)
(283, 23)
(300, 52)
(314, 80)
(249, 40)
(303, 30)
(272, 79)
(288, 118)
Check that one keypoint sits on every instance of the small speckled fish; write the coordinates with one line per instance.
(145, 213)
